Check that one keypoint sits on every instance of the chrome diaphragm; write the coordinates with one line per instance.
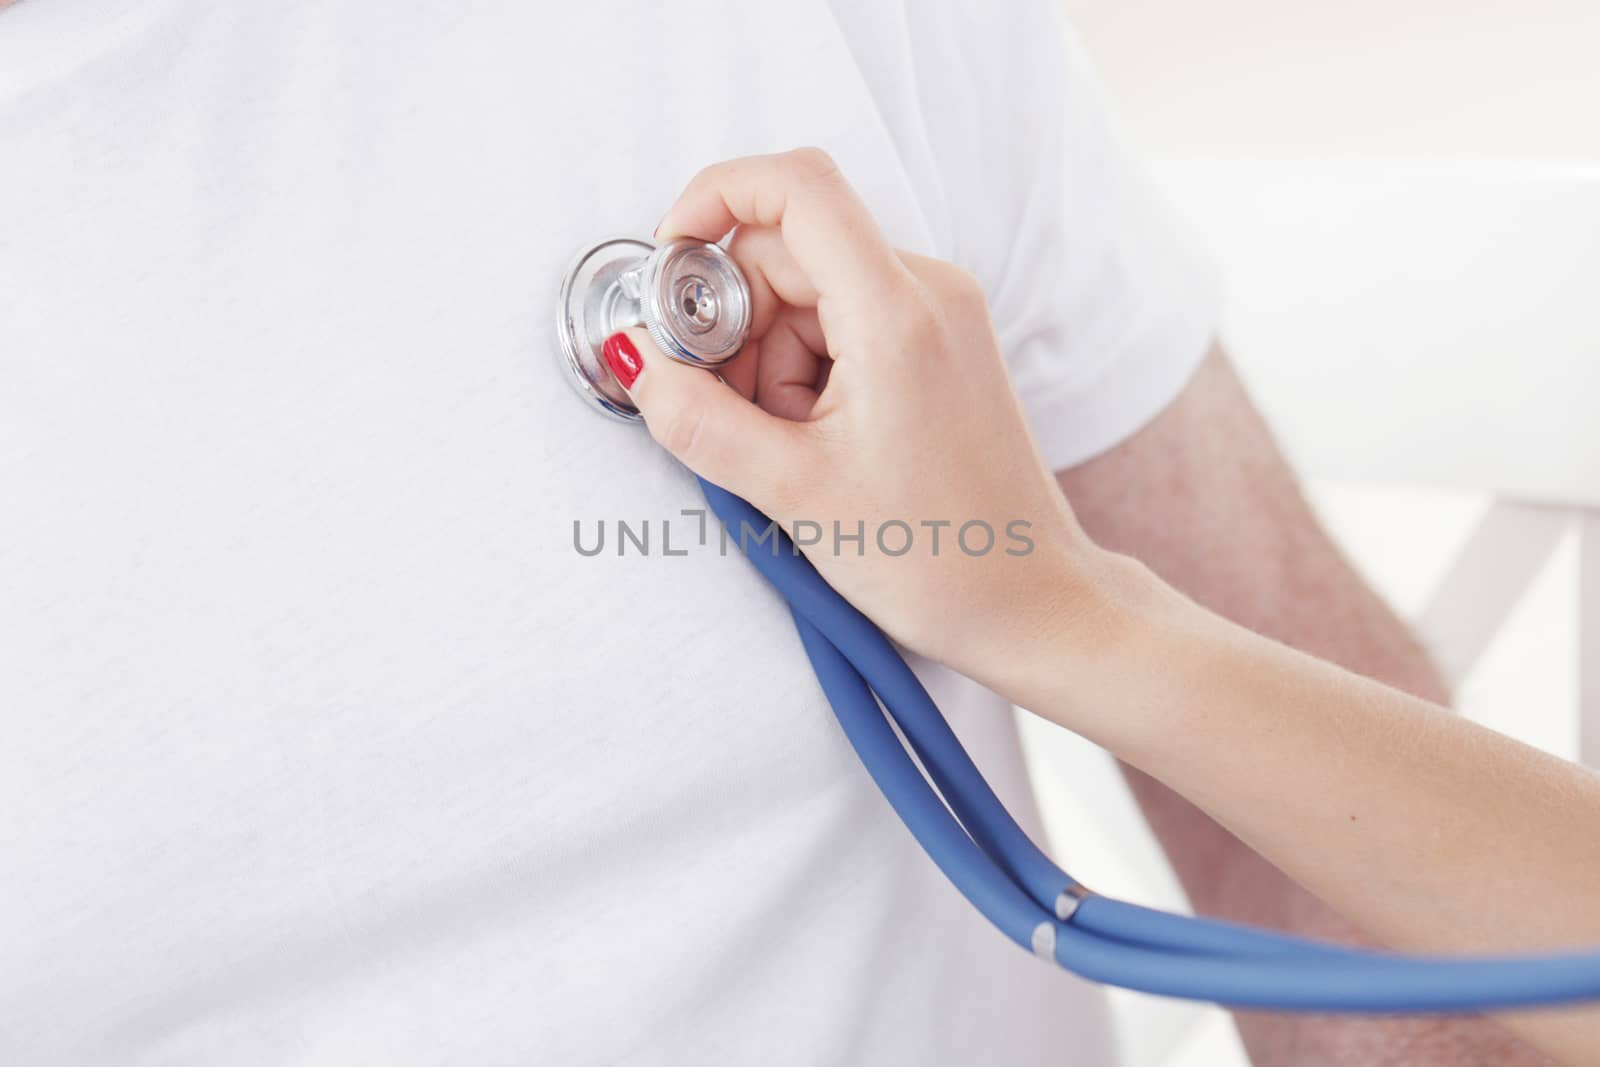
(690, 296)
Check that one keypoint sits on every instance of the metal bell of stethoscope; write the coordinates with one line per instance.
(690, 296)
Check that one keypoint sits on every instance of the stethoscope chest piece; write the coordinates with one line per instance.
(690, 295)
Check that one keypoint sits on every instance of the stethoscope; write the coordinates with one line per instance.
(695, 303)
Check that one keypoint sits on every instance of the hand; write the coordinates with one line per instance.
(882, 405)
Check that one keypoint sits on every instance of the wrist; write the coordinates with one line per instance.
(1101, 650)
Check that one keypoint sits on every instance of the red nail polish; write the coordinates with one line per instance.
(622, 358)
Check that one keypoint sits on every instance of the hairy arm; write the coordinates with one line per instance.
(1203, 497)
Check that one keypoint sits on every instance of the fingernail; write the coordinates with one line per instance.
(622, 358)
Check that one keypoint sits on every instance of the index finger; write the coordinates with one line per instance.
(826, 227)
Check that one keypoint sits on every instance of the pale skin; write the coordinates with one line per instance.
(1263, 561)
(879, 392)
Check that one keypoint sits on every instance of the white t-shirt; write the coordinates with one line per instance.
(319, 741)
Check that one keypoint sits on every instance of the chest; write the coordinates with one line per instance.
(293, 480)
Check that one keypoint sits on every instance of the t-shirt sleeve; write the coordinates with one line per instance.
(1103, 300)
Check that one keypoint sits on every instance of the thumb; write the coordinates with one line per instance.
(708, 426)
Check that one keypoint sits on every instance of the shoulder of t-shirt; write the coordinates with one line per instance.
(982, 100)
(1103, 301)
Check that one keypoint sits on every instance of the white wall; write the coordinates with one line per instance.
(1295, 78)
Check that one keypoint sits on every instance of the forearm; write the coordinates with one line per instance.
(1222, 876)
(1202, 496)
(1427, 830)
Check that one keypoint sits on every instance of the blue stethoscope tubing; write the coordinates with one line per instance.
(1006, 877)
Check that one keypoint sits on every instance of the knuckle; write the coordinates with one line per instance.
(914, 320)
(952, 283)
(955, 309)
(924, 335)
(814, 162)
(965, 287)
